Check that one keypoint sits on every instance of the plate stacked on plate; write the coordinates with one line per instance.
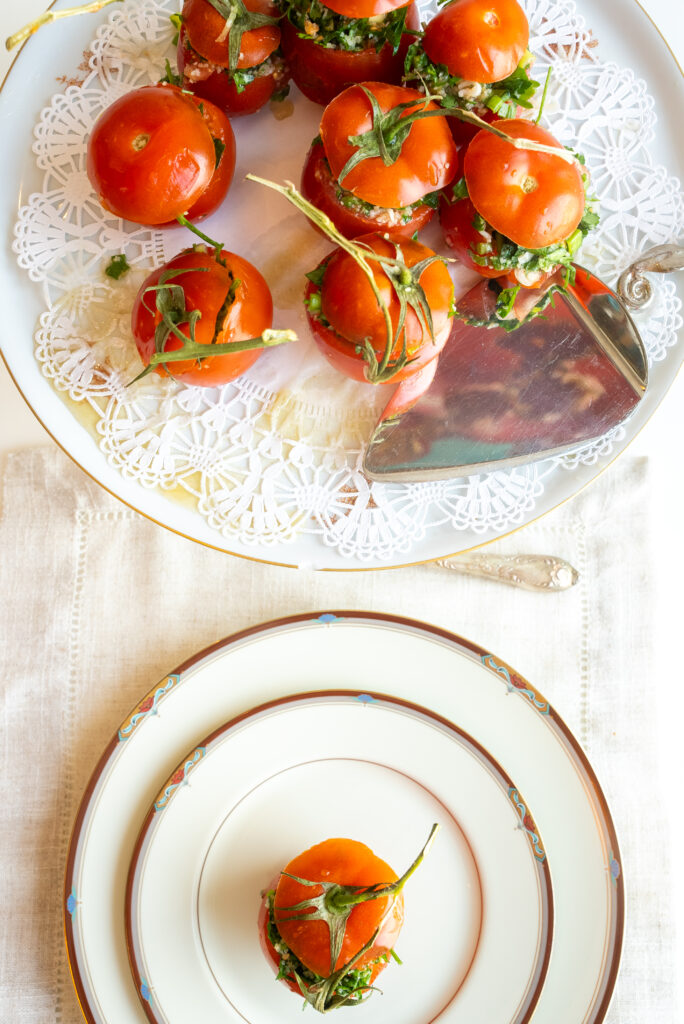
(364, 726)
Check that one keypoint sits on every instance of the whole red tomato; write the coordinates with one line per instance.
(344, 314)
(478, 40)
(321, 72)
(535, 199)
(204, 61)
(234, 303)
(151, 155)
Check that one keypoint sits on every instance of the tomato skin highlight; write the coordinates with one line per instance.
(478, 40)
(352, 312)
(206, 285)
(535, 199)
(204, 27)
(321, 72)
(427, 161)
(150, 155)
(318, 186)
(349, 863)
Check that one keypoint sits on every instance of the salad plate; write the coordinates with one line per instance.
(269, 467)
(269, 784)
(470, 691)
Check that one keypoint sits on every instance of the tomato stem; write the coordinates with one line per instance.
(238, 20)
(216, 246)
(49, 16)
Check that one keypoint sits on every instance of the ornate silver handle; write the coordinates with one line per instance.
(635, 290)
(531, 572)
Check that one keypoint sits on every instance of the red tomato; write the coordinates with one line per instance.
(216, 84)
(428, 156)
(319, 187)
(206, 285)
(478, 40)
(535, 199)
(205, 29)
(321, 72)
(348, 863)
(351, 310)
(150, 155)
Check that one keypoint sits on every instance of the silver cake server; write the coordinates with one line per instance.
(496, 399)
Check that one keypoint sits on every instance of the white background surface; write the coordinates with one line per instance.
(660, 440)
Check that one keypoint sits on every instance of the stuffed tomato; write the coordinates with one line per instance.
(330, 924)
(334, 44)
(156, 153)
(385, 321)
(204, 317)
(513, 213)
(346, 177)
(229, 53)
(473, 55)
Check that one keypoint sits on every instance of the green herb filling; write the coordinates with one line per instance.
(314, 21)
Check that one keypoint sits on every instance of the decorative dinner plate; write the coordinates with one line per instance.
(394, 660)
(269, 466)
(268, 785)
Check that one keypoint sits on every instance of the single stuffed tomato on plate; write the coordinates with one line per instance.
(231, 55)
(333, 44)
(473, 56)
(379, 163)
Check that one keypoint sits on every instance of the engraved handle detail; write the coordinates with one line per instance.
(531, 572)
(634, 289)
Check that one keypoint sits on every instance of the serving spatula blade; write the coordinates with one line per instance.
(499, 399)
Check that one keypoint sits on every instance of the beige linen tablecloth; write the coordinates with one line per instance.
(97, 604)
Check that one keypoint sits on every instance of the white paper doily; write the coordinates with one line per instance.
(274, 458)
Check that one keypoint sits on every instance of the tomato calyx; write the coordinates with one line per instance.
(405, 282)
(238, 20)
(334, 905)
(388, 132)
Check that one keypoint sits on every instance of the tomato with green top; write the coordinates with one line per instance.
(349, 863)
(232, 303)
(346, 320)
(397, 197)
(151, 155)
(258, 71)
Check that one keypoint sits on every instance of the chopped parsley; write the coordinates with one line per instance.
(314, 21)
(117, 266)
(502, 98)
